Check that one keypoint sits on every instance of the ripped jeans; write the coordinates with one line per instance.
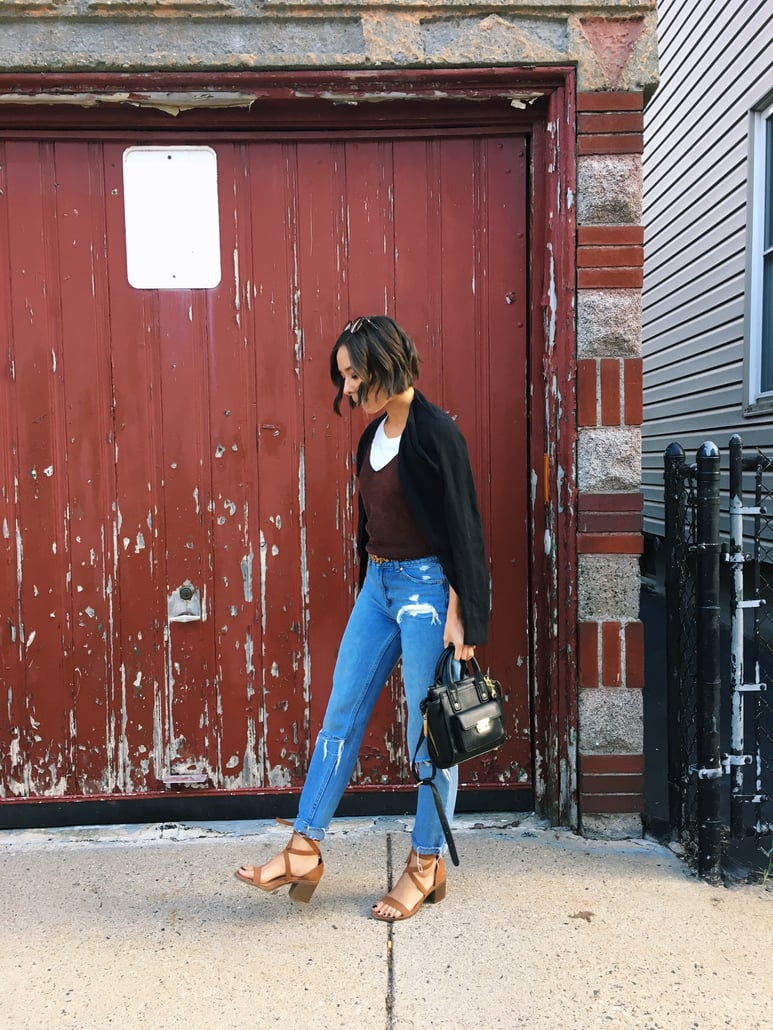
(401, 610)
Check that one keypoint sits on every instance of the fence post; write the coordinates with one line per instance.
(709, 764)
(674, 512)
(736, 559)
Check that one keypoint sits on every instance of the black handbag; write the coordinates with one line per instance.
(461, 719)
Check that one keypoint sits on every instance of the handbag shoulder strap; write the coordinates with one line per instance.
(429, 781)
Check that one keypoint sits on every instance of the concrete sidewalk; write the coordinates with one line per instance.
(146, 927)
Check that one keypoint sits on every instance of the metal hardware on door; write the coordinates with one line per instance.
(184, 604)
(184, 779)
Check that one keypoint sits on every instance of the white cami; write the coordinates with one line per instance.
(383, 449)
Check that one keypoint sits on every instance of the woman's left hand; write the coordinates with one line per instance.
(454, 630)
(463, 653)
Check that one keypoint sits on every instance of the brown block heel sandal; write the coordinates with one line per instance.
(435, 892)
(301, 887)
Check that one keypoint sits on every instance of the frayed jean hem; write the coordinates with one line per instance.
(428, 852)
(312, 832)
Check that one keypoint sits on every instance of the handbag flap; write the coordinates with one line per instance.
(482, 715)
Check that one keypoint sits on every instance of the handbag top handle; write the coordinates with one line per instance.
(443, 669)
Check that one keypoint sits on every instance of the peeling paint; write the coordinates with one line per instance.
(246, 568)
(263, 581)
(304, 575)
(552, 299)
(249, 668)
(278, 775)
(237, 290)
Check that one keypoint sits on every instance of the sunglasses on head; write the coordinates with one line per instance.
(355, 325)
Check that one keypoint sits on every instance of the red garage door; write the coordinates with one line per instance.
(177, 499)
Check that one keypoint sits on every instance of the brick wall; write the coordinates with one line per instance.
(609, 504)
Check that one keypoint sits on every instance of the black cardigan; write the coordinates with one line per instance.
(435, 474)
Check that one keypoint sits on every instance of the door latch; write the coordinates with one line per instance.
(184, 604)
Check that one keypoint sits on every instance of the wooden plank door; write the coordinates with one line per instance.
(155, 440)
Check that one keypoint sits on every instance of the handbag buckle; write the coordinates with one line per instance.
(483, 725)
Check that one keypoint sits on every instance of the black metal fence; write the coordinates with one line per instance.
(720, 715)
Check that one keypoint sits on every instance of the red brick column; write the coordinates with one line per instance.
(609, 396)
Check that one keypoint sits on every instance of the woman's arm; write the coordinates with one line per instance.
(464, 529)
(454, 629)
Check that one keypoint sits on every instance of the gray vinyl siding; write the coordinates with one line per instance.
(716, 62)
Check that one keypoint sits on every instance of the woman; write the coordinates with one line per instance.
(423, 586)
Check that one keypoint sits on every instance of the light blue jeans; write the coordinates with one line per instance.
(401, 610)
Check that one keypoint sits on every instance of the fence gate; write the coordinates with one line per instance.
(720, 705)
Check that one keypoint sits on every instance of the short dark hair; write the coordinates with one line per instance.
(382, 354)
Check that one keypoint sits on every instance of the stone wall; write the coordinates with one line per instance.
(613, 42)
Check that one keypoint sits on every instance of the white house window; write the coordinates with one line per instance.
(760, 272)
(172, 218)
